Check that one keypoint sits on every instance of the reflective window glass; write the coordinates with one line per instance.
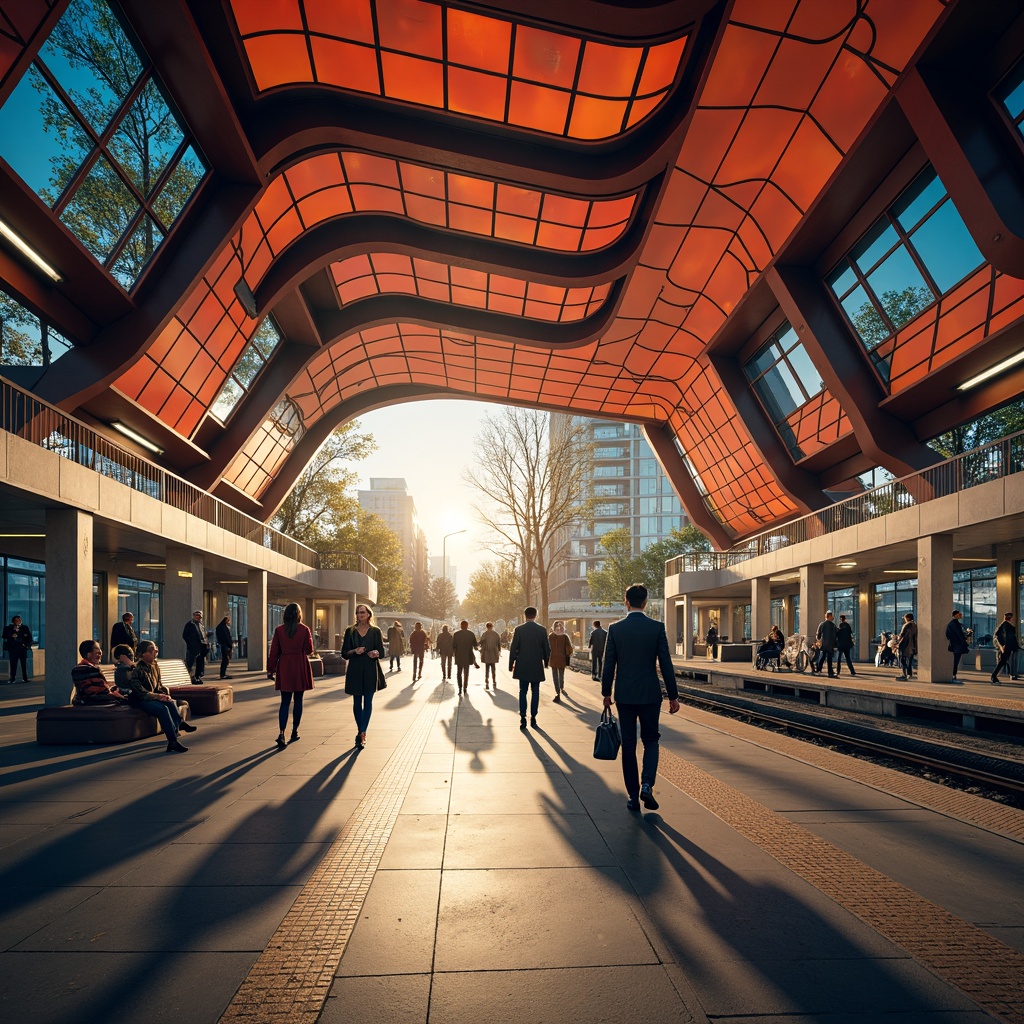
(921, 197)
(895, 276)
(25, 339)
(146, 139)
(254, 357)
(100, 210)
(946, 247)
(1013, 96)
(878, 241)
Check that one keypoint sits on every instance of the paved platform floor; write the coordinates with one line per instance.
(459, 870)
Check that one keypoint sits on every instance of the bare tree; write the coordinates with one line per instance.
(533, 479)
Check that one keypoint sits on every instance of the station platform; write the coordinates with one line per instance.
(459, 870)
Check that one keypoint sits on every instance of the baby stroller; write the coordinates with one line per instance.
(769, 654)
(886, 655)
(796, 655)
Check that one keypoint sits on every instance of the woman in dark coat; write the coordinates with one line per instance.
(958, 645)
(362, 649)
(226, 644)
(288, 665)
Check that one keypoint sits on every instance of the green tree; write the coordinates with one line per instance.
(650, 567)
(495, 592)
(991, 427)
(371, 537)
(441, 598)
(607, 584)
(322, 498)
(531, 474)
(900, 308)
(20, 340)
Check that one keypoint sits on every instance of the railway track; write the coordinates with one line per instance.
(934, 755)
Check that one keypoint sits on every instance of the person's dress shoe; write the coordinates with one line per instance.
(632, 805)
(174, 747)
(533, 721)
(295, 735)
(647, 795)
(185, 727)
(281, 741)
(522, 723)
(558, 699)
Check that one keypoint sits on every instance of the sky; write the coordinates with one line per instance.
(431, 444)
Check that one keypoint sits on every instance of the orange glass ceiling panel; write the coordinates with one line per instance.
(393, 273)
(408, 50)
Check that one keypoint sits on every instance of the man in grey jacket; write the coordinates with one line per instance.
(826, 636)
(636, 648)
(528, 656)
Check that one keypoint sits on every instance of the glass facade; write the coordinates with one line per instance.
(23, 592)
(974, 594)
(254, 357)
(892, 601)
(26, 339)
(99, 141)
(1012, 97)
(844, 602)
(915, 253)
(144, 600)
(238, 611)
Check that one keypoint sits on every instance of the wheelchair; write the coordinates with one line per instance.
(768, 657)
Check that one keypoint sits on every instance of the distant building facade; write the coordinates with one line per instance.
(389, 498)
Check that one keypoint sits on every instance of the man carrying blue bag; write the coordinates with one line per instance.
(636, 648)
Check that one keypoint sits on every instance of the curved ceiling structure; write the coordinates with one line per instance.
(598, 207)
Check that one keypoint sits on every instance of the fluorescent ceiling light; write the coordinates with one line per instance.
(897, 572)
(22, 534)
(846, 565)
(150, 565)
(233, 581)
(137, 438)
(991, 371)
(25, 249)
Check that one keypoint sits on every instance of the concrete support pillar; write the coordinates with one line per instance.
(934, 604)
(685, 605)
(761, 607)
(69, 566)
(812, 598)
(1006, 583)
(257, 620)
(183, 595)
(219, 605)
(865, 639)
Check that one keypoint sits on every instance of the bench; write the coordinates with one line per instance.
(202, 698)
(81, 724)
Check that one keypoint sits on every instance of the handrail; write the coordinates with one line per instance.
(992, 461)
(349, 561)
(31, 419)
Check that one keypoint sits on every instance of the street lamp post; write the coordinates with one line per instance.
(444, 564)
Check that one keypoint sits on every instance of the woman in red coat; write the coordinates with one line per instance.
(288, 665)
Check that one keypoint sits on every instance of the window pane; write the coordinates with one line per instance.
(900, 288)
(91, 58)
(946, 247)
(922, 195)
(52, 144)
(843, 278)
(878, 241)
(227, 399)
(266, 338)
(181, 183)
(764, 358)
(806, 371)
(249, 364)
(21, 342)
(137, 251)
(866, 320)
(1014, 103)
(780, 391)
(146, 139)
(56, 344)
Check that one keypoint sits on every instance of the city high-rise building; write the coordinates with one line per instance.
(389, 498)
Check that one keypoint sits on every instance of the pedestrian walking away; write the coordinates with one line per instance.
(445, 650)
(226, 644)
(419, 641)
(826, 637)
(596, 643)
(362, 649)
(17, 639)
(464, 649)
(490, 654)
(148, 693)
(528, 656)
(396, 645)
(196, 646)
(288, 665)
(123, 632)
(561, 652)
(906, 646)
(844, 645)
(1008, 645)
(636, 650)
(957, 639)
(711, 639)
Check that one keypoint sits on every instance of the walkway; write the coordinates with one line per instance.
(459, 871)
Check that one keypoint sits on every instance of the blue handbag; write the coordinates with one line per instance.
(608, 740)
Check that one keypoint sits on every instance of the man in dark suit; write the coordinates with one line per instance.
(637, 646)
(528, 656)
(123, 632)
(597, 642)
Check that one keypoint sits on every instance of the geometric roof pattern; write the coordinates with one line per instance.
(597, 207)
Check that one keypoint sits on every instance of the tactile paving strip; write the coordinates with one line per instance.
(985, 969)
(292, 977)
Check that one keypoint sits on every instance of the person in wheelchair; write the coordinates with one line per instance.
(770, 649)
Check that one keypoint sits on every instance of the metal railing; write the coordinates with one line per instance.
(25, 416)
(992, 461)
(349, 561)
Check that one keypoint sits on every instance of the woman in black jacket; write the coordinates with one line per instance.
(958, 645)
(362, 649)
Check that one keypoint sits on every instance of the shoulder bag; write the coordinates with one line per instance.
(607, 741)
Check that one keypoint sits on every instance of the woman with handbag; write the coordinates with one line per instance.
(561, 652)
(288, 665)
(362, 649)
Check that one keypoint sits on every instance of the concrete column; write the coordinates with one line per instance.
(69, 566)
(686, 611)
(761, 607)
(812, 598)
(1006, 583)
(865, 640)
(257, 620)
(218, 605)
(183, 595)
(934, 604)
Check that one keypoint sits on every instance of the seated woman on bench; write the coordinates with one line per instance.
(150, 695)
(91, 687)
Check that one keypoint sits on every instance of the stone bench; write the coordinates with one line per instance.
(203, 699)
(82, 724)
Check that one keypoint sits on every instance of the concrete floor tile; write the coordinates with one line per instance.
(396, 926)
(119, 988)
(251, 822)
(616, 995)
(429, 793)
(513, 793)
(394, 999)
(27, 909)
(521, 919)
(417, 841)
(522, 841)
